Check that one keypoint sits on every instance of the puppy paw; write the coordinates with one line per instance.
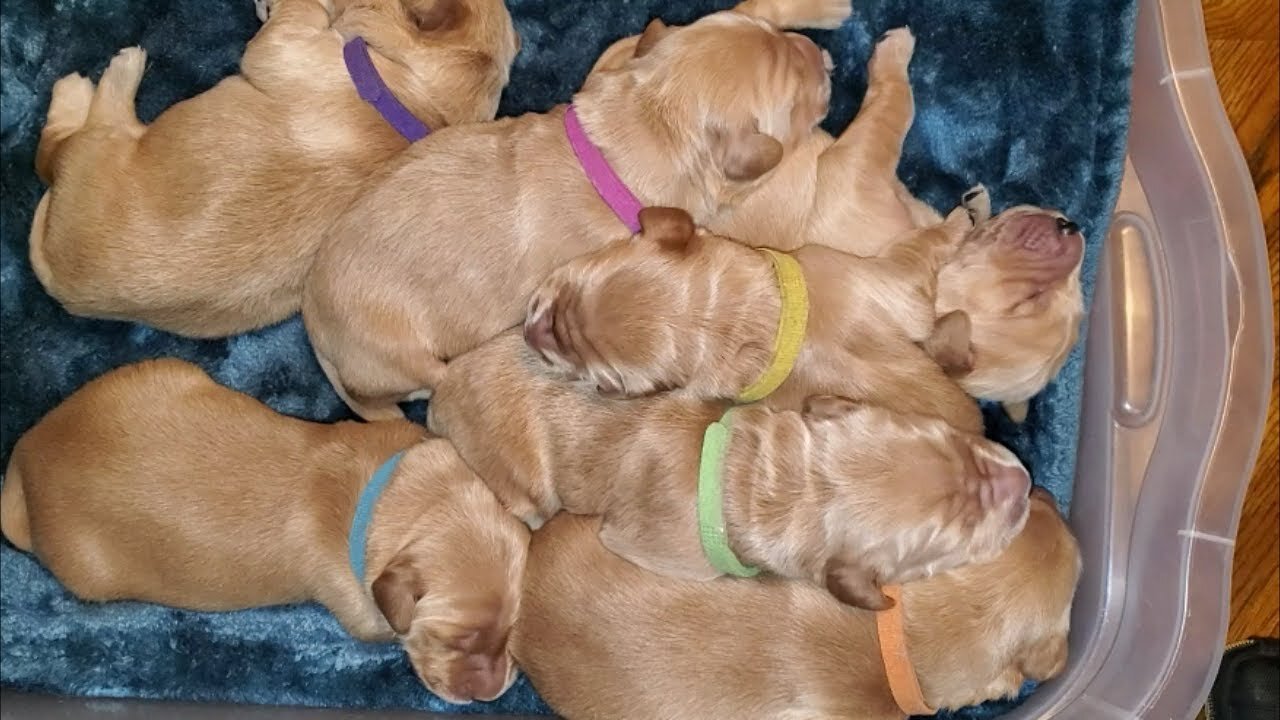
(262, 8)
(799, 14)
(126, 67)
(893, 52)
(1017, 411)
(955, 228)
(978, 202)
(827, 14)
(69, 102)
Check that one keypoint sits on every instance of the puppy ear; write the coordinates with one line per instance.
(856, 586)
(744, 153)
(396, 591)
(653, 32)
(1044, 659)
(436, 16)
(949, 344)
(828, 407)
(671, 228)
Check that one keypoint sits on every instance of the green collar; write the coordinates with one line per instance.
(715, 542)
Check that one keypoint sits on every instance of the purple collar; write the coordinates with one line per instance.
(374, 91)
(610, 187)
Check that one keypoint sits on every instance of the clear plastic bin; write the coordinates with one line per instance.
(1176, 378)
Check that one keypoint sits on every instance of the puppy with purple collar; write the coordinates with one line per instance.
(204, 222)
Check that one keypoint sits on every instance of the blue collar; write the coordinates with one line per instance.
(358, 538)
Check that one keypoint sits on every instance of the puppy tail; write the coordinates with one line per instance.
(14, 522)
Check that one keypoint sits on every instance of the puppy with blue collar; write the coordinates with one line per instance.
(155, 483)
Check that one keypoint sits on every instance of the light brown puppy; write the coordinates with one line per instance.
(678, 307)
(205, 221)
(844, 193)
(155, 483)
(843, 495)
(603, 640)
(442, 251)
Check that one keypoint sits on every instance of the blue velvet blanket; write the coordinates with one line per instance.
(1030, 97)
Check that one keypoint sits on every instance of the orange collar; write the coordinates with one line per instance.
(903, 683)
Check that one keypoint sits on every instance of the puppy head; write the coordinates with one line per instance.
(995, 625)
(911, 496)
(1017, 278)
(655, 312)
(452, 596)
(729, 94)
(459, 52)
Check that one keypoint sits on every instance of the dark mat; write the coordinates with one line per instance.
(1030, 98)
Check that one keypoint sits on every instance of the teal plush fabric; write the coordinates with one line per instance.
(1029, 97)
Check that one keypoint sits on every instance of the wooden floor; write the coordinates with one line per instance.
(1244, 40)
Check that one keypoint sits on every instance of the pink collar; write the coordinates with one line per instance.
(608, 185)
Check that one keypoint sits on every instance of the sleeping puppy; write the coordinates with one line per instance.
(844, 495)
(155, 483)
(441, 252)
(603, 639)
(676, 307)
(204, 222)
(844, 193)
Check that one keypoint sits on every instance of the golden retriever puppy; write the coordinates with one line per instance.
(442, 251)
(844, 193)
(602, 639)
(678, 307)
(155, 483)
(204, 222)
(844, 495)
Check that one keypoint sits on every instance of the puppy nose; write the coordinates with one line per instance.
(1066, 227)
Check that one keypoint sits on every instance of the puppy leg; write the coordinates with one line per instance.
(978, 202)
(368, 408)
(14, 521)
(799, 14)
(262, 8)
(1017, 411)
(919, 254)
(291, 16)
(912, 262)
(68, 111)
(865, 156)
(113, 101)
(281, 51)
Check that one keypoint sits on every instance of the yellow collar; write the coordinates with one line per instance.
(792, 320)
(903, 683)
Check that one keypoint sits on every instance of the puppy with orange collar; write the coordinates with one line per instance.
(665, 649)
(155, 483)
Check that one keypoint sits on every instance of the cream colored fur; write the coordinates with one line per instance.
(205, 221)
(155, 483)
